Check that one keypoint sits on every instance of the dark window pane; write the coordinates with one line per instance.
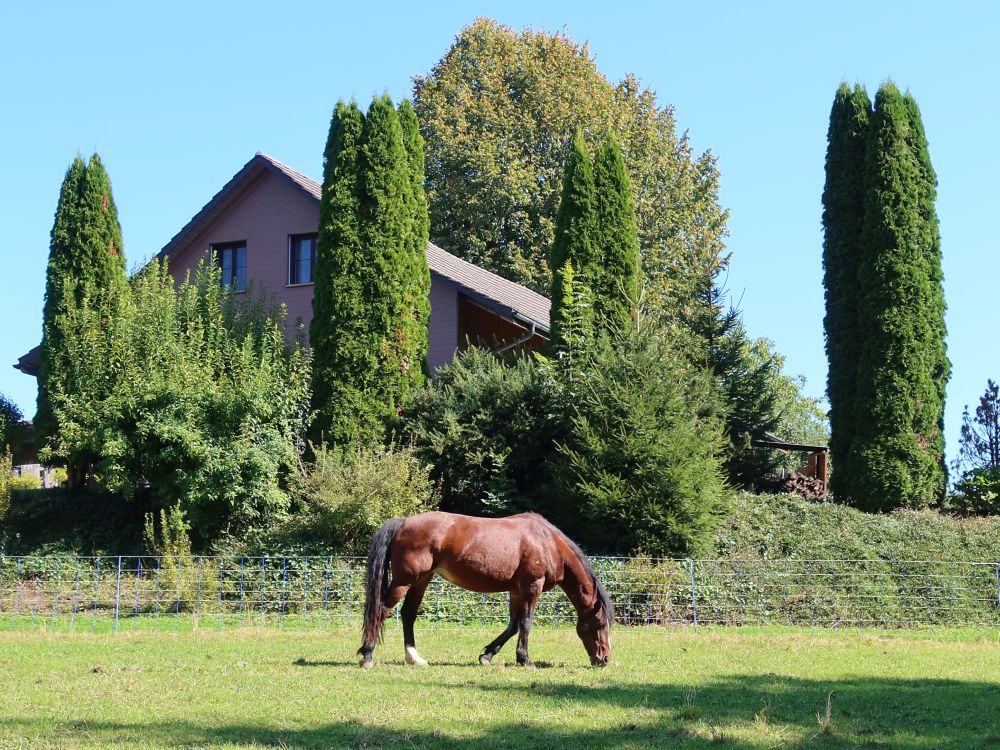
(227, 265)
(241, 268)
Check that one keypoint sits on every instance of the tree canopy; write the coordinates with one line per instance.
(498, 112)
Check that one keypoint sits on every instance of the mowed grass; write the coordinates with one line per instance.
(665, 688)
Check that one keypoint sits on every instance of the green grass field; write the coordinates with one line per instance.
(666, 687)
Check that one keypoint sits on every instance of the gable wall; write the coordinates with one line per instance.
(264, 214)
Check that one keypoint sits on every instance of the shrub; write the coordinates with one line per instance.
(25, 482)
(6, 466)
(347, 494)
(642, 463)
(977, 493)
(488, 428)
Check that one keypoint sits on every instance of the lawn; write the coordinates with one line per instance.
(665, 687)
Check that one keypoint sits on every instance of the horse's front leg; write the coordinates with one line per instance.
(529, 600)
(498, 643)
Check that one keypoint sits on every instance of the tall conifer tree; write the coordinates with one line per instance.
(616, 285)
(843, 218)
(896, 454)
(575, 231)
(369, 329)
(340, 356)
(418, 277)
(86, 258)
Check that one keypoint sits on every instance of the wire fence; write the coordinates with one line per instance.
(104, 594)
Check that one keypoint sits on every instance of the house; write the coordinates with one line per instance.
(262, 225)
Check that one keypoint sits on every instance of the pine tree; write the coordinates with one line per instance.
(843, 218)
(575, 232)
(86, 258)
(896, 454)
(369, 329)
(616, 285)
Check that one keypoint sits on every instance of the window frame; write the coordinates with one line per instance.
(220, 250)
(293, 240)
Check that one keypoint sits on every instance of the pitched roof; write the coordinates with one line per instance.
(31, 362)
(506, 297)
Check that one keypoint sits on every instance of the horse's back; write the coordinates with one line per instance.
(481, 554)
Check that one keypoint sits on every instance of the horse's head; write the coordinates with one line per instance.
(594, 628)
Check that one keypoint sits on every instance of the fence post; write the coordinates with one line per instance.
(694, 593)
(118, 591)
(998, 585)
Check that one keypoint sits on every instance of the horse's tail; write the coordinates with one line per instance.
(377, 581)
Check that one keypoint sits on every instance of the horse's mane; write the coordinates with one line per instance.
(606, 604)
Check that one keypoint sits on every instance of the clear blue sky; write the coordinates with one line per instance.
(176, 97)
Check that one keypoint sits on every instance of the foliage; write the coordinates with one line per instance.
(898, 446)
(66, 520)
(10, 418)
(370, 306)
(777, 527)
(575, 242)
(977, 490)
(183, 395)
(596, 234)
(615, 286)
(498, 112)
(180, 583)
(488, 428)
(642, 464)
(843, 219)
(85, 253)
(6, 467)
(25, 482)
(349, 493)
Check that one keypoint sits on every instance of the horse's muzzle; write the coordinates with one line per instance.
(599, 661)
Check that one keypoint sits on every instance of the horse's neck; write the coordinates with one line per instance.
(577, 582)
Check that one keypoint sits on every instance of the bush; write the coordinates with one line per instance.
(642, 464)
(977, 493)
(488, 428)
(184, 394)
(348, 494)
(779, 527)
(6, 466)
(25, 482)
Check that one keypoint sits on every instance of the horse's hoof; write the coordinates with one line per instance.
(413, 658)
(485, 660)
(367, 664)
(526, 664)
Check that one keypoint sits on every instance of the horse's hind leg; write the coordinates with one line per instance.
(409, 615)
(395, 593)
(498, 643)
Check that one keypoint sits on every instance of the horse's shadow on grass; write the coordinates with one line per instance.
(303, 662)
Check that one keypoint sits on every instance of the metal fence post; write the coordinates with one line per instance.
(694, 593)
(118, 590)
(998, 585)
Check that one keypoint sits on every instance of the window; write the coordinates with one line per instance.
(301, 258)
(232, 259)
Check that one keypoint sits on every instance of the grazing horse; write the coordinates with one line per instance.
(522, 554)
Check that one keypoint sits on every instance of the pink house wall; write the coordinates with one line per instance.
(442, 328)
(264, 215)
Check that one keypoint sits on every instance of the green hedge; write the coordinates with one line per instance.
(778, 527)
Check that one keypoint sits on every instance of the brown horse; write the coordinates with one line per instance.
(525, 555)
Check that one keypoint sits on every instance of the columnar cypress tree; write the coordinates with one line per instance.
(616, 287)
(418, 277)
(896, 452)
(340, 357)
(63, 267)
(575, 231)
(85, 258)
(370, 307)
(843, 218)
